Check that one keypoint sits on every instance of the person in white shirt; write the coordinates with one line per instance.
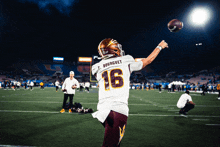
(31, 85)
(169, 88)
(57, 85)
(68, 87)
(81, 86)
(18, 85)
(87, 85)
(113, 75)
(185, 103)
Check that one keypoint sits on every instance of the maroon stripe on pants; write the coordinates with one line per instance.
(114, 125)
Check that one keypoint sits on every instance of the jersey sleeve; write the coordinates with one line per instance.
(94, 69)
(136, 66)
(133, 66)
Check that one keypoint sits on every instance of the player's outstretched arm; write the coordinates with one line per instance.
(154, 54)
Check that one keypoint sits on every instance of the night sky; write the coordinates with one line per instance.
(41, 29)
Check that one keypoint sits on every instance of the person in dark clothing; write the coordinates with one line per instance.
(160, 88)
(25, 85)
(203, 89)
(173, 88)
(5, 84)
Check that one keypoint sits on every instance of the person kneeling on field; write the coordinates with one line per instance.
(185, 103)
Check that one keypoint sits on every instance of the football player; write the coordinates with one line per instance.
(57, 85)
(87, 85)
(113, 75)
(41, 85)
(18, 85)
(31, 85)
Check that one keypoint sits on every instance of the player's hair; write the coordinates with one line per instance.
(187, 91)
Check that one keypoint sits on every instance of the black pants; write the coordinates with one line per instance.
(81, 88)
(65, 99)
(87, 88)
(203, 92)
(56, 88)
(31, 87)
(187, 107)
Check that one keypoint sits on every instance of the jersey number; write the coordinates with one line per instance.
(113, 79)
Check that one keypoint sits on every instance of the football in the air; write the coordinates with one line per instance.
(175, 25)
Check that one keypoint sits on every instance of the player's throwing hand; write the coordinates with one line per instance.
(163, 44)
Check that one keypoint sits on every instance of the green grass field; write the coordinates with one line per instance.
(32, 118)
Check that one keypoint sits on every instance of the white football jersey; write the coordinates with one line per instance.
(184, 98)
(57, 83)
(113, 76)
(87, 84)
(32, 84)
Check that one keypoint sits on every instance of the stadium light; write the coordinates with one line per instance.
(199, 16)
(85, 59)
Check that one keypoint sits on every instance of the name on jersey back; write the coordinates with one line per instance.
(112, 63)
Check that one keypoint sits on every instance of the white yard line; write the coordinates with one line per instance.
(28, 102)
(157, 115)
(38, 102)
(201, 119)
(174, 110)
(212, 124)
(28, 111)
(198, 106)
(53, 102)
(172, 115)
(163, 106)
(15, 146)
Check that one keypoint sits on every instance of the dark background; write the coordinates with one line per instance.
(32, 30)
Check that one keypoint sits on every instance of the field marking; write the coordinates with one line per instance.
(15, 146)
(163, 106)
(197, 106)
(174, 110)
(54, 102)
(212, 124)
(28, 102)
(171, 115)
(28, 111)
(159, 115)
(202, 119)
(196, 94)
(38, 102)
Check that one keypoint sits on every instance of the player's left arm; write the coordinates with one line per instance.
(154, 54)
(191, 102)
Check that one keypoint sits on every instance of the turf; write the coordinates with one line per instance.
(32, 118)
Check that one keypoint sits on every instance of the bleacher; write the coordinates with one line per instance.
(201, 79)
